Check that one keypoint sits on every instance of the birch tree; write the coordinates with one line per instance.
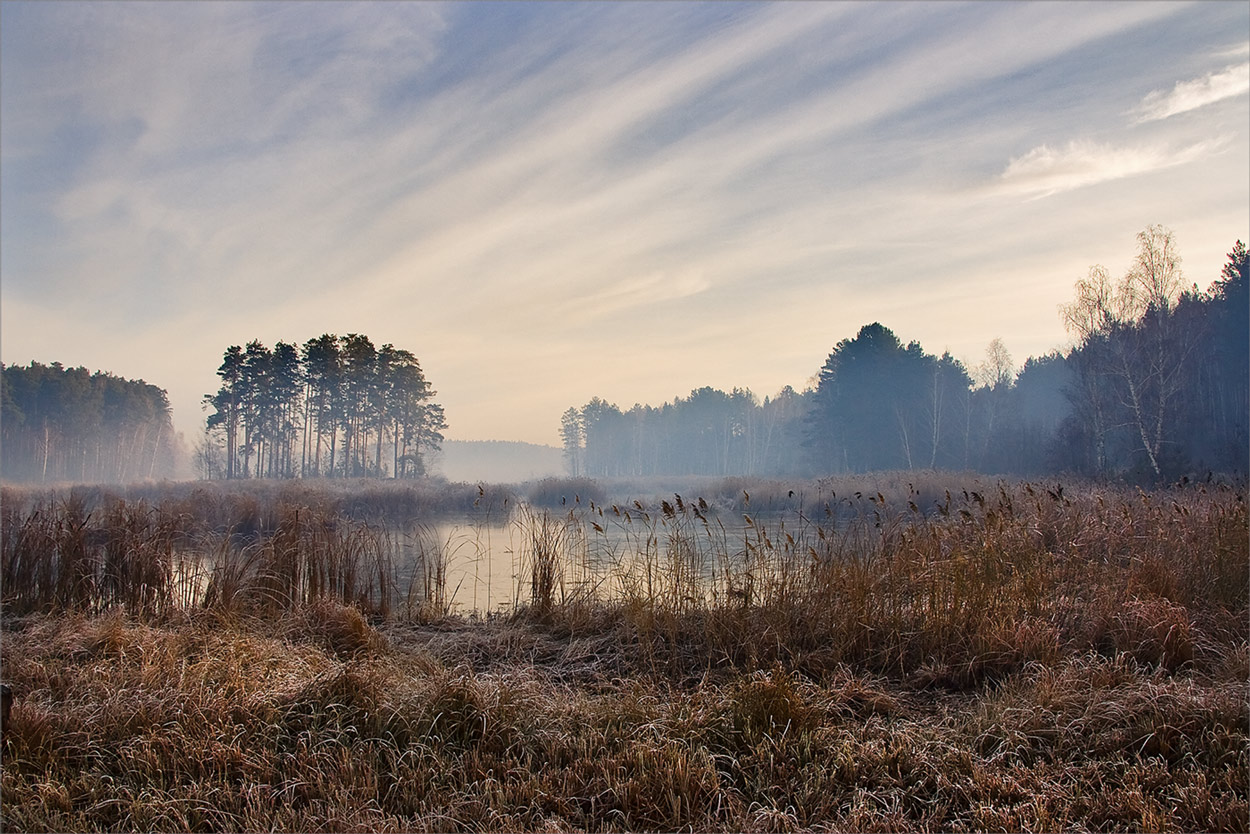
(1132, 352)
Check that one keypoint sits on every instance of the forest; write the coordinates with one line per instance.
(1154, 389)
(68, 424)
(330, 408)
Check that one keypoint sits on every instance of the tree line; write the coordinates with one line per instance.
(335, 406)
(68, 424)
(1155, 387)
(708, 433)
(1161, 371)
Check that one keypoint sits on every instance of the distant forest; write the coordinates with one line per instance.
(68, 424)
(338, 406)
(1155, 388)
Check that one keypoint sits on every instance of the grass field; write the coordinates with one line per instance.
(891, 655)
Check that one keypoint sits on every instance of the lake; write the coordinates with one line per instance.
(490, 564)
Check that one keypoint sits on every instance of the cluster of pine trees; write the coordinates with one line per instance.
(880, 405)
(337, 406)
(1155, 388)
(68, 424)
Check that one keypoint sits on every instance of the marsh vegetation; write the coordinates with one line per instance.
(881, 654)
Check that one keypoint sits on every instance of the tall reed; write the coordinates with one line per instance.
(955, 587)
(57, 556)
(972, 586)
(552, 561)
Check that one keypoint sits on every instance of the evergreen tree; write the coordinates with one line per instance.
(572, 435)
(67, 424)
(270, 401)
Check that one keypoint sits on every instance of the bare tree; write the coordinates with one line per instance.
(1152, 363)
(1131, 339)
(1155, 280)
(1089, 318)
(995, 375)
(997, 369)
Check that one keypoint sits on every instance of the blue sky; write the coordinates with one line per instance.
(552, 201)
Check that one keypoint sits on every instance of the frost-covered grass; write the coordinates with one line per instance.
(1018, 658)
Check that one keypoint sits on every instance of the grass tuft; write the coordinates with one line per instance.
(913, 657)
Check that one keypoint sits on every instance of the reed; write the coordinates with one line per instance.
(427, 597)
(58, 556)
(553, 565)
(1012, 657)
(974, 588)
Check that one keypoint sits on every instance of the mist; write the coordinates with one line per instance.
(1153, 390)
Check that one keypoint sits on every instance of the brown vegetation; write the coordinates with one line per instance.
(1019, 658)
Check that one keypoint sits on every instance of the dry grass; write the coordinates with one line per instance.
(1016, 659)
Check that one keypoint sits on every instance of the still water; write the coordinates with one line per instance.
(490, 564)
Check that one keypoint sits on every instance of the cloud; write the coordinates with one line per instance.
(612, 299)
(515, 184)
(1231, 81)
(1044, 170)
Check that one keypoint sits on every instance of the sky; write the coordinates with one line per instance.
(548, 202)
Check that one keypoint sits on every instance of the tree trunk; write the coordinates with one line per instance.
(160, 427)
(47, 441)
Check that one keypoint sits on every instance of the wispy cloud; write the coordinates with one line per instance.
(1045, 171)
(742, 184)
(1198, 92)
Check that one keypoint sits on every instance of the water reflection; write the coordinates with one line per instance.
(679, 554)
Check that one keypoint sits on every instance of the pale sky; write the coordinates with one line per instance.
(547, 202)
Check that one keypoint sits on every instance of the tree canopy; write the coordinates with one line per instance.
(1161, 371)
(68, 424)
(337, 406)
(709, 432)
(1154, 388)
